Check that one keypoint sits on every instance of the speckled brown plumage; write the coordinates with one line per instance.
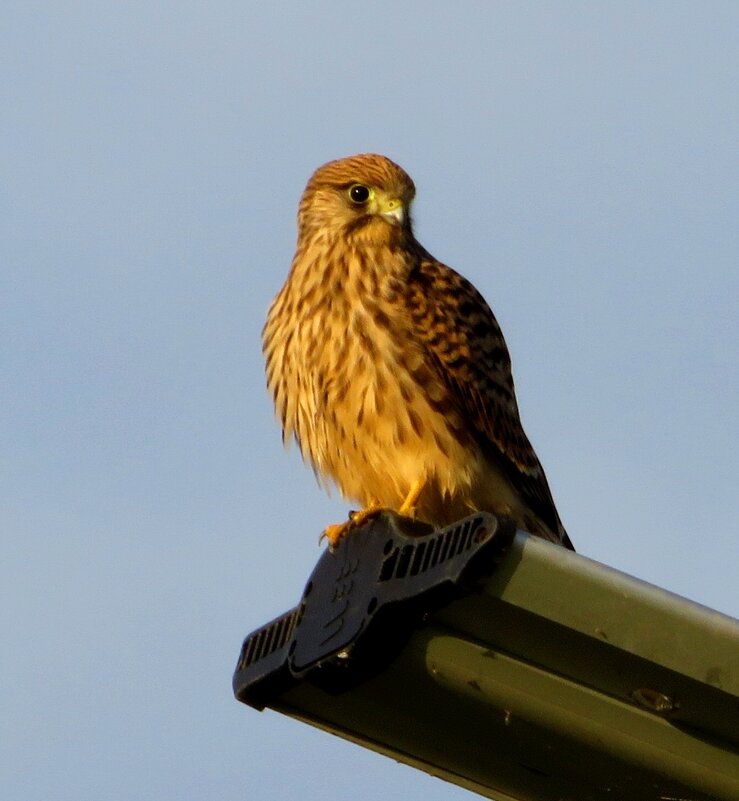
(388, 367)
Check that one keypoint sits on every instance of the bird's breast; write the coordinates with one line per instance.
(357, 391)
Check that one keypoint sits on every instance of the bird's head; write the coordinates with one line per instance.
(366, 196)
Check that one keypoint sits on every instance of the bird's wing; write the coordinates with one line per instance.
(460, 334)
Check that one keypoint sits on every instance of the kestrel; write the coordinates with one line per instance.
(389, 368)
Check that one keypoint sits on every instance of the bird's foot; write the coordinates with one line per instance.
(336, 532)
(408, 508)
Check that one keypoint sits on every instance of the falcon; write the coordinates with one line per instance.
(390, 370)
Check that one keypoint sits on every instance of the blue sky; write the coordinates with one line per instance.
(577, 161)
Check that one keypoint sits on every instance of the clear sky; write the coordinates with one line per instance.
(577, 161)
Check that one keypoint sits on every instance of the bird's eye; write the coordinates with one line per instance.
(359, 194)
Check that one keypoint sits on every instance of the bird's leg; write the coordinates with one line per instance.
(408, 509)
(336, 532)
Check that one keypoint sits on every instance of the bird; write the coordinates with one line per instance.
(389, 368)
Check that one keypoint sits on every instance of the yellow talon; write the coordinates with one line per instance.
(334, 534)
(337, 531)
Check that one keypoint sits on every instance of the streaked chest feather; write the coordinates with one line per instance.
(344, 367)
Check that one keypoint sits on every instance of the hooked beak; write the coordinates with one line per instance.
(393, 210)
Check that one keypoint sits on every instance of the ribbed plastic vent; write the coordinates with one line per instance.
(410, 560)
(270, 638)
